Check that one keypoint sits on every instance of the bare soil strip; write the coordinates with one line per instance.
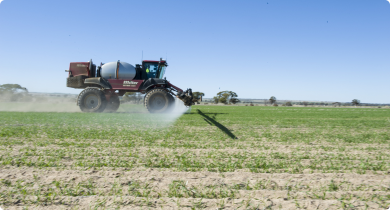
(182, 190)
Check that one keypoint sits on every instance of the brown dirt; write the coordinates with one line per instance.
(168, 188)
(305, 188)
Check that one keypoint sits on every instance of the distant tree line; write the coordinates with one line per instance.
(17, 93)
(14, 92)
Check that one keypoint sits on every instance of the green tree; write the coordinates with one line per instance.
(355, 102)
(223, 100)
(216, 99)
(12, 88)
(14, 92)
(234, 100)
(227, 97)
(197, 95)
(272, 100)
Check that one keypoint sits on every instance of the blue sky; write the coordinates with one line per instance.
(294, 50)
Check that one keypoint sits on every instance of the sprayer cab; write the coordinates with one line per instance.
(154, 69)
(151, 69)
(104, 84)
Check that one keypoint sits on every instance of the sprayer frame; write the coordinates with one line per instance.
(82, 75)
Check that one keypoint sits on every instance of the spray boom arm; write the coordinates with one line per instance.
(185, 96)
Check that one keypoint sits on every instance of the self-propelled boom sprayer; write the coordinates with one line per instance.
(105, 83)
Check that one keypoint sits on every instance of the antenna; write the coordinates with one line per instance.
(142, 58)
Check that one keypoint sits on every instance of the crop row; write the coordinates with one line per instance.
(180, 189)
(190, 162)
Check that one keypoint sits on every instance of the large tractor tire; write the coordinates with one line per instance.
(112, 104)
(159, 101)
(92, 100)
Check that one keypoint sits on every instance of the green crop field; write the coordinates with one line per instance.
(232, 157)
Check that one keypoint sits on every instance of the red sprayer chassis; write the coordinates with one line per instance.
(104, 84)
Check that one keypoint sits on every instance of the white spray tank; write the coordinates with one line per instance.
(118, 70)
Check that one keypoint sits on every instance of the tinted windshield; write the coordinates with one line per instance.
(151, 69)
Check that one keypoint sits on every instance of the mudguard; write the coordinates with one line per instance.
(98, 81)
(76, 82)
(152, 82)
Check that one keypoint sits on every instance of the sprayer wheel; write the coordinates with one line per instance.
(159, 101)
(112, 104)
(92, 100)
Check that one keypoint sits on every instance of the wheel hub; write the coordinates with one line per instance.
(91, 101)
(158, 102)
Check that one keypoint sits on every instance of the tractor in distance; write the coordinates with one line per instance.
(104, 84)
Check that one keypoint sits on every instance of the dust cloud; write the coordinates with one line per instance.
(38, 104)
(68, 104)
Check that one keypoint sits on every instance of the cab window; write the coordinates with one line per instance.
(151, 69)
(161, 71)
